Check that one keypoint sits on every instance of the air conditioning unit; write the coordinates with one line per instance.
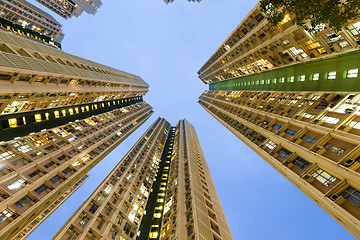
(334, 197)
(357, 40)
(349, 162)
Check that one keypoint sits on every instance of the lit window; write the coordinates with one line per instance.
(331, 75)
(12, 122)
(153, 235)
(4, 215)
(37, 117)
(271, 145)
(302, 78)
(315, 77)
(157, 215)
(71, 111)
(160, 200)
(291, 79)
(282, 80)
(108, 189)
(274, 80)
(308, 115)
(330, 120)
(17, 184)
(352, 73)
(334, 149)
(323, 177)
(6, 155)
(56, 114)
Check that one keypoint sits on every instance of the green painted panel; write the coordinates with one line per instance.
(339, 63)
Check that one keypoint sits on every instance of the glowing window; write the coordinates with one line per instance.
(37, 118)
(71, 111)
(315, 76)
(323, 177)
(56, 114)
(12, 122)
(302, 78)
(331, 75)
(352, 73)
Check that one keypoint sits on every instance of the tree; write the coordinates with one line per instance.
(334, 13)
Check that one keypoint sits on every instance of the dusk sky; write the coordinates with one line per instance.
(166, 45)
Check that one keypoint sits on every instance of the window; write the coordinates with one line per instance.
(55, 179)
(93, 208)
(101, 223)
(34, 173)
(19, 161)
(355, 28)
(291, 79)
(271, 145)
(101, 198)
(6, 155)
(22, 202)
(323, 177)
(315, 76)
(352, 73)
(334, 149)
(308, 115)
(309, 139)
(352, 196)
(282, 80)
(49, 164)
(331, 75)
(41, 189)
(290, 132)
(84, 221)
(108, 189)
(284, 153)
(300, 163)
(5, 215)
(17, 184)
(66, 171)
(302, 78)
(330, 120)
(277, 126)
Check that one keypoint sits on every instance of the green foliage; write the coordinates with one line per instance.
(334, 13)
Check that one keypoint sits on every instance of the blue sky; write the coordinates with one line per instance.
(166, 45)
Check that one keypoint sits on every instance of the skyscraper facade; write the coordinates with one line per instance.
(24, 16)
(278, 91)
(69, 8)
(303, 120)
(256, 46)
(60, 115)
(161, 189)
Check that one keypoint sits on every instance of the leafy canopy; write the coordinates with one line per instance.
(334, 13)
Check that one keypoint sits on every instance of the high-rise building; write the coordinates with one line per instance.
(161, 189)
(25, 19)
(60, 115)
(304, 120)
(170, 1)
(256, 46)
(69, 8)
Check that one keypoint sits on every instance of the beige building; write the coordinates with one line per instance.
(69, 8)
(256, 46)
(161, 189)
(59, 116)
(311, 138)
(26, 15)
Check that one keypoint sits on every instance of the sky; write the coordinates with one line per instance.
(166, 45)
